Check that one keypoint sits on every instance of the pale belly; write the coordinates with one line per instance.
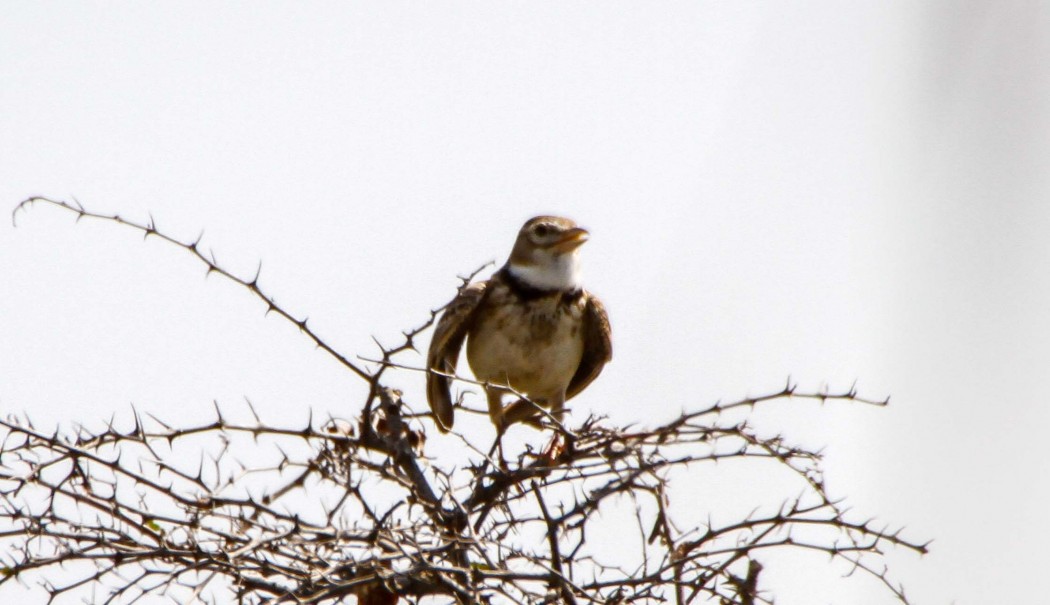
(534, 353)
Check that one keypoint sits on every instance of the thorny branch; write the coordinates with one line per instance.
(337, 509)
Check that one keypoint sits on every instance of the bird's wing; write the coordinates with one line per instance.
(444, 349)
(597, 346)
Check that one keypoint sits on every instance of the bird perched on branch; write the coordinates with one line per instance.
(530, 329)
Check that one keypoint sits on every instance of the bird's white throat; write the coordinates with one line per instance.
(552, 272)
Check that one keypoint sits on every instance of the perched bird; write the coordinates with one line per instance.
(530, 327)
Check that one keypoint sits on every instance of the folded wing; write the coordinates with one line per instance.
(597, 346)
(445, 346)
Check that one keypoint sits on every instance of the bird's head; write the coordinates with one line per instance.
(545, 255)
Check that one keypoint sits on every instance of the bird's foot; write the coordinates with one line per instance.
(561, 447)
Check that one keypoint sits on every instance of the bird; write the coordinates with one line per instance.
(530, 329)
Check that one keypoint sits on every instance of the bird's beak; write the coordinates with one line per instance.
(573, 239)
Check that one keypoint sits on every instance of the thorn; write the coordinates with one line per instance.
(21, 206)
(251, 408)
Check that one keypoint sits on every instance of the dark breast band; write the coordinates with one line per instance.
(527, 292)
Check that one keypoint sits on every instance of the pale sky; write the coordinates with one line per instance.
(812, 189)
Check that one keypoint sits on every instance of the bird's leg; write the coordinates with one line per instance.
(531, 412)
(525, 411)
(556, 449)
(499, 420)
(558, 408)
(495, 401)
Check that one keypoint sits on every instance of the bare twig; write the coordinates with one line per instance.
(345, 508)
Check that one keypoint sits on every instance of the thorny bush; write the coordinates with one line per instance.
(336, 508)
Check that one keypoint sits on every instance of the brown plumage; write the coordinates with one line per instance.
(530, 327)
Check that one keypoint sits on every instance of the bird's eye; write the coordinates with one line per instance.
(542, 230)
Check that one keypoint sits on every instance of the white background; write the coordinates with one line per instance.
(836, 192)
